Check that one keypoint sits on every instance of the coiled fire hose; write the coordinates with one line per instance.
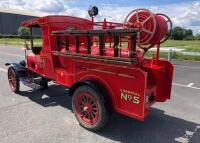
(152, 28)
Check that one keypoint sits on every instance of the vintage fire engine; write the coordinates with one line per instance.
(102, 64)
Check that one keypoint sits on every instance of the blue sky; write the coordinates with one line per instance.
(125, 3)
(185, 13)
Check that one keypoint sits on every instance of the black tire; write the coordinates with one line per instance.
(103, 112)
(13, 80)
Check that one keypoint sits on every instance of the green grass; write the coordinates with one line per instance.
(192, 46)
(18, 41)
(175, 55)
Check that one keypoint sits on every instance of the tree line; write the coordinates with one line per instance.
(179, 33)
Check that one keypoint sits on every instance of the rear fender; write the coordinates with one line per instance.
(19, 69)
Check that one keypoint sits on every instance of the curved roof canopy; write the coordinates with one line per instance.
(43, 21)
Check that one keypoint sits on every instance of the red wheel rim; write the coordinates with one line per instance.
(87, 108)
(12, 80)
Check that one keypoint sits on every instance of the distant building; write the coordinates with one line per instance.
(10, 19)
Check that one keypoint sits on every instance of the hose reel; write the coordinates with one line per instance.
(152, 28)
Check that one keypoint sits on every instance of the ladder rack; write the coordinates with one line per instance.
(116, 34)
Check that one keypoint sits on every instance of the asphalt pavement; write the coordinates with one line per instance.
(46, 117)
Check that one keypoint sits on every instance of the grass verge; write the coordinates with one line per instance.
(191, 46)
(175, 55)
(18, 41)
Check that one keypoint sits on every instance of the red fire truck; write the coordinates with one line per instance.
(102, 63)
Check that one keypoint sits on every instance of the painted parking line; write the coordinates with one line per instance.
(182, 85)
(190, 85)
(191, 67)
(3, 70)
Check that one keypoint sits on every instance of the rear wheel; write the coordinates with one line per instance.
(13, 80)
(89, 108)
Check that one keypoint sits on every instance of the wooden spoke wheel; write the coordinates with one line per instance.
(13, 80)
(89, 108)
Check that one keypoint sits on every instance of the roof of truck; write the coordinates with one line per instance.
(42, 21)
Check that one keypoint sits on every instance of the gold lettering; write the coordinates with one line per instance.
(136, 100)
(130, 96)
(123, 96)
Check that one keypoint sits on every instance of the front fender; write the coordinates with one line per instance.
(19, 69)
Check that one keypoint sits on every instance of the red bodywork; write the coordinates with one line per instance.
(129, 85)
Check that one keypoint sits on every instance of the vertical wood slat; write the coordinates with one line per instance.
(77, 44)
(116, 44)
(132, 46)
(67, 43)
(57, 42)
(101, 45)
(88, 44)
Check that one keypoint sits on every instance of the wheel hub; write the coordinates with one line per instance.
(87, 108)
(138, 25)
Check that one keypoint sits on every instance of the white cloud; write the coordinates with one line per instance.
(74, 11)
(186, 15)
(50, 6)
(183, 14)
(116, 14)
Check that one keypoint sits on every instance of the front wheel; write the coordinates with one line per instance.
(90, 108)
(13, 80)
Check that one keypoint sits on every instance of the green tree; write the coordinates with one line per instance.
(24, 32)
(189, 32)
(197, 37)
(178, 33)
